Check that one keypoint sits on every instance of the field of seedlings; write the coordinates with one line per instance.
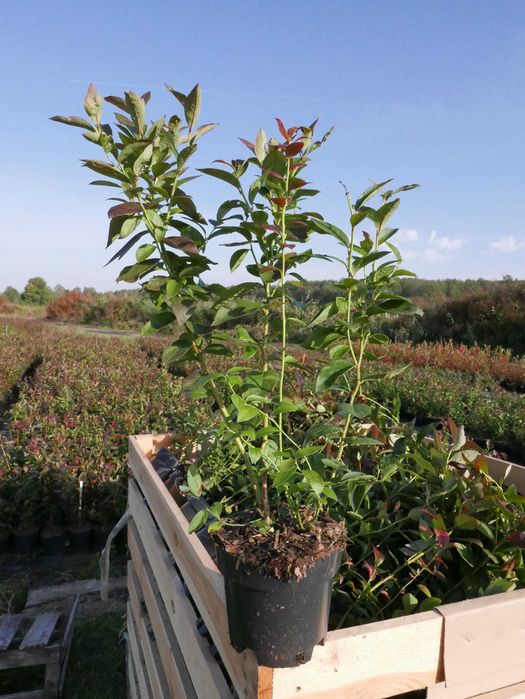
(84, 395)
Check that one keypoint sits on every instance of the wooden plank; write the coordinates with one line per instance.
(43, 595)
(41, 630)
(507, 471)
(133, 688)
(65, 644)
(374, 661)
(170, 653)
(29, 656)
(200, 573)
(156, 674)
(204, 672)
(138, 659)
(9, 624)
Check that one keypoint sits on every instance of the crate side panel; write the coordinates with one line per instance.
(373, 661)
(205, 674)
(197, 569)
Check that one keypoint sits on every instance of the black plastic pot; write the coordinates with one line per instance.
(280, 621)
(99, 537)
(80, 538)
(53, 540)
(24, 540)
(5, 542)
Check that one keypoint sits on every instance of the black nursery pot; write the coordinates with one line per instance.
(280, 621)
(24, 540)
(53, 540)
(5, 542)
(80, 538)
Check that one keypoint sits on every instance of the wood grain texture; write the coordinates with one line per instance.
(204, 671)
(138, 658)
(154, 668)
(40, 631)
(200, 573)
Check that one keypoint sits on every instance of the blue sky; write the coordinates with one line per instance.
(427, 91)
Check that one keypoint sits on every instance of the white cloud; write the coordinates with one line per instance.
(508, 244)
(407, 235)
(439, 244)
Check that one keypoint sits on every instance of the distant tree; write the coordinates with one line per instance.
(58, 291)
(36, 292)
(12, 294)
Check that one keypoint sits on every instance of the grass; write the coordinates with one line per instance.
(97, 663)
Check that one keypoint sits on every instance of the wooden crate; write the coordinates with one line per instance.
(463, 650)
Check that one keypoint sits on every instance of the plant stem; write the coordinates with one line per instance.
(283, 303)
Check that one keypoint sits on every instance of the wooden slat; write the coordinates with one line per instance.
(156, 674)
(9, 624)
(41, 630)
(133, 688)
(29, 656)
(374, 661)
(204, 672)
(173, 661)
(65, 644)
(512, 474)
(43, 595)
(138, 658)
(197, 568)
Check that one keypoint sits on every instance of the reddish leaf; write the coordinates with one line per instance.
(442, 537)
(294, 148)
(379, 557)
(517, 538)
(284, 132)
(274, 174)
(182, 243)
(124, 210)
(248, 144)
(280, 201)
(297, 182)
(372, 570)
(272, 228)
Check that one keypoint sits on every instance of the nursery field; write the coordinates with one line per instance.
(82, 396)
(69, 401)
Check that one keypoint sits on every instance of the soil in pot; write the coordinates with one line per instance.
(53, 540)
(80, 537)
(24, 540)
(278, 592)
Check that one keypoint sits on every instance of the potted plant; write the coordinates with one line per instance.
(79, 527)
(53, 533)
(107, 501)
(27, 499)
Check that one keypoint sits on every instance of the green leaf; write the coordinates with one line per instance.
(245, 412)
(198, 521)
(134, 272)
(137, 109)
(260, 145)
(127, 247)
(223, 175)
(365, 196)
(499, 585)
(192, 106)
(314, 480)
(121, 227)
(358, 410)
(430, 603)
(194, 481)
(144, 251)
(237, 258)
(330, 229)
(74, 121)
(331, 372)
(105, 169)
(385, 234)
(410, 602)
(178, 95)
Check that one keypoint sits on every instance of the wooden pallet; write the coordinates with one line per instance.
(176, 589)
(31, 638)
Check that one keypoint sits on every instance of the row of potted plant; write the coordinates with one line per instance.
(315, 466)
